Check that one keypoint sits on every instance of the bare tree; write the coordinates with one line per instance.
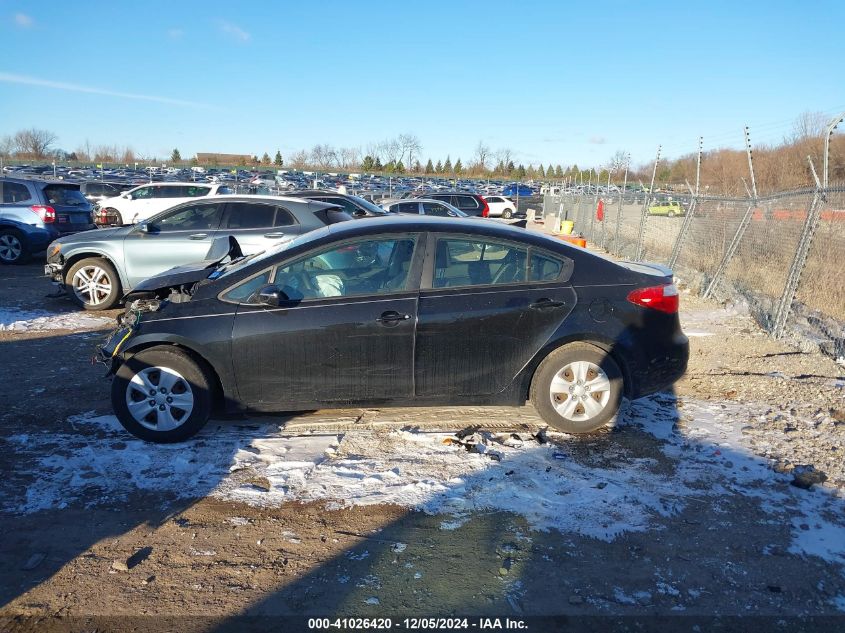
(503, 157)
(391, 151)
(34, 142)
(323, 156)
(618, 160)
(299, 160)
(808, 125)
(410, 144)
(349, 157)
(7, 146)
(482, 155)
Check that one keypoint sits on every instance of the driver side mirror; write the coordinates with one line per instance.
(128, 196)
(272, 295)
(144, 227)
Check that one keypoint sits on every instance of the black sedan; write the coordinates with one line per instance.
(396, 311)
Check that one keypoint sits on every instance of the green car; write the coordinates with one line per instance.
(669, 209)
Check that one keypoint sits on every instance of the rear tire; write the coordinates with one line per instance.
(176, 413)
(507, 214)
(577, 388)
(93, 284)
(13, 248)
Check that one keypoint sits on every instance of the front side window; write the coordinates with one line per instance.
(15, 192)
(194, 191)
(360, 268)
(469, 262)
(143, 193)
(196, 217)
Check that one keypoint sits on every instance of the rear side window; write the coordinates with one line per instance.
(438, 210)
(407, 207)
(247, 215)
(544, 268)
(223, 191)
(15, 192)
(65, 196)
(466, 262)
(195, 192)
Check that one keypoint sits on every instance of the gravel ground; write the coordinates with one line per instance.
(686, 508)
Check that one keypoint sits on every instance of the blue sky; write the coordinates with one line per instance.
(555, 82)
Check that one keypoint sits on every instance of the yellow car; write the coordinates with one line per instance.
(669, 209)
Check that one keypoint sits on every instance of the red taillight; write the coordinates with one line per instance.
(47, 214)
(662, 298)
(485, 210)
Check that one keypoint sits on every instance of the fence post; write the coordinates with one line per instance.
(743, 225)
(644, 214)
(676, 249)
(619, 208)
(797, 267)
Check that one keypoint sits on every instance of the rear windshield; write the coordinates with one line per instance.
(65, 196)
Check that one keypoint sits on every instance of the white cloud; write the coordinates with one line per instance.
(597, 140)
(23, 20)
(233, 31)
(175, 34)
(59, 85)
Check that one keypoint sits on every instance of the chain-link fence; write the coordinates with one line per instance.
(784, 254)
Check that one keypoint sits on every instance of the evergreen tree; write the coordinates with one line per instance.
(175, 156)
(520, 171)
(417, 167)
(541, 172)
(429, 168)
(447, 166)
(278, 160)
(377, 166)
(458, 167)
(399, 167)
(368, 164)
(439, 167)
(265, 160)
(390, 167)
(558, 172)
(510, 167)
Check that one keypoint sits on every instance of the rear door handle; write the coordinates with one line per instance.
(198, 236)
(545, 304)
(274, 236)
(391, 316)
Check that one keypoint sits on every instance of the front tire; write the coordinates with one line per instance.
(507, 214)
(13, 249)
(577, 388)
(93, 284)
(162, 395)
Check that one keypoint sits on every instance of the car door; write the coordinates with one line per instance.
(345, 336)
(486, 307)
(259, 225)
(175, 238)
(135, 208)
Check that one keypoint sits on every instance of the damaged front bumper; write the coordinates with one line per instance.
(109, 353)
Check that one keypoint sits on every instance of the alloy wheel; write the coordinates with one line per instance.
(91, 285)
(10, 248)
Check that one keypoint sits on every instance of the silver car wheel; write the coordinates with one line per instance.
(10, 247)
(159, 398)
(91, 285)
(580, 391)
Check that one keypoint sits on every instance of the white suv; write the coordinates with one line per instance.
(142, 203)
(500, 207)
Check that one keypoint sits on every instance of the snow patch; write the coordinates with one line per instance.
(14, 320)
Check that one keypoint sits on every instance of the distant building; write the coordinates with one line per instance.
(223, 159)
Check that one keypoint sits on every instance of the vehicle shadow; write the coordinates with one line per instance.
(662, 515)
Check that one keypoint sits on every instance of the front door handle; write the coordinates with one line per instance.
(274, 236)
(198, 236)
(391, 317)
(545, 304)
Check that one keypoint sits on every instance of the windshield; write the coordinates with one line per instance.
(238, 264)
(369, 206)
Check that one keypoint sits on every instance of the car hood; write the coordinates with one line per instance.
(223, 248)
(95, 235)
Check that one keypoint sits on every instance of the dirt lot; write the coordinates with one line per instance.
(686, 508)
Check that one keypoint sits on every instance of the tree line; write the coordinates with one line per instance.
(778, 166)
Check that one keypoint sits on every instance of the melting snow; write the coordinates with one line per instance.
(14, 320)
(698, 452)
